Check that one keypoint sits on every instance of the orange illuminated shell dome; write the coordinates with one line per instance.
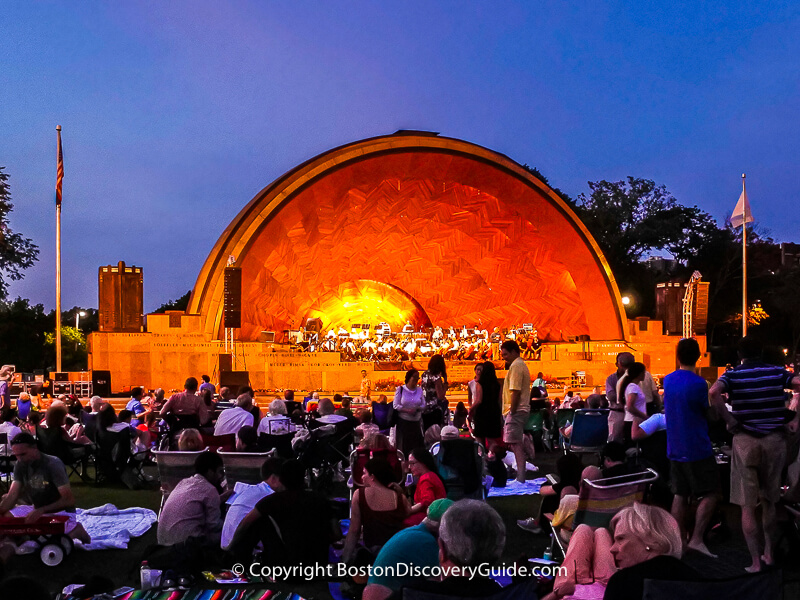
(412, 227)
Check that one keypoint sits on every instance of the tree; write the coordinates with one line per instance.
(181, 303)
(17, 253)
(73, 348)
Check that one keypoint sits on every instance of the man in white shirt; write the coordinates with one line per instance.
(245, 497)
(231, 420)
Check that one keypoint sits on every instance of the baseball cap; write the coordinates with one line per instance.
(438, 507)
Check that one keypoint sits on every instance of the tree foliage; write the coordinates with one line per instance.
(181, 303)
(17, 253)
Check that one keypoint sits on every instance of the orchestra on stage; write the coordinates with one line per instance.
(364, 343)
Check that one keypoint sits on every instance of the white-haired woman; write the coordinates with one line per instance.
(646, 544)
(277, 411)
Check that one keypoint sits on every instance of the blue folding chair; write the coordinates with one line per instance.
(589, 431)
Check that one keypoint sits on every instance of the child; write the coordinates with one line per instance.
(367, 427)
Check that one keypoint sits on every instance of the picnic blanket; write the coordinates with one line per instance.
(111, 527)
(515, 488)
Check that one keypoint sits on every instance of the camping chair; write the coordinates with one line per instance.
(177, 423)
(600, 500)
(225, 442)
(327, 447)
(114, 460)
(563, 417)
(589, 431)
(359, 458)
(535, 426)
(767, 585)
(282, 444)
(173, 466)
(74, 456)
(6, 461)
(382, 416)
(460, 464)
(243, 466)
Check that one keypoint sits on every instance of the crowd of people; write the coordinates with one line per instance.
(402, 506)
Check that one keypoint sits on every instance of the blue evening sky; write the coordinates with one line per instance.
(175, 114)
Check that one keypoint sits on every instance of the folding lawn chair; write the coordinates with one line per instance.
(460, 464)
(243, 466)
(601, 499)
(589, 431)
(173, 466)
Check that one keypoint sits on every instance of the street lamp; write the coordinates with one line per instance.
(78, 316)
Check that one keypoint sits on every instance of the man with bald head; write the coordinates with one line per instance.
(616, 416)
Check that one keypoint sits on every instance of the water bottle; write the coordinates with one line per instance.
(409, 480)
(548, 555)
(144, 576)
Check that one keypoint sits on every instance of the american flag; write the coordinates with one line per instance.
(60, 170)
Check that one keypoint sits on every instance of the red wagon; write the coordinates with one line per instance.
(48, 532)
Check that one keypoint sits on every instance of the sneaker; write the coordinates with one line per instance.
(529, 524)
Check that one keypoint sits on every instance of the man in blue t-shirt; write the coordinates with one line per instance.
(693, 468)
(136, 407)
(757, 418)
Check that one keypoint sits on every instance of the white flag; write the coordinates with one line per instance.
(742, 213)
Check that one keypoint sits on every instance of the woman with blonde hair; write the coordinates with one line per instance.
(646, 544)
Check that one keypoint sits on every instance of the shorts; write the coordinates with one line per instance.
(756, 468)
(697, 478)
(616, 425)
(513, 427)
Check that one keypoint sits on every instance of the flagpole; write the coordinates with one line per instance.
(744, 263)
(58, 269)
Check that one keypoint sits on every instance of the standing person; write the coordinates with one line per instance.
(758, 406)
(366, 386)
(630, 388)
(495, 338)
(472, 383)
(6, 377)
(693, 468)
(516, 403)
(434, 385)
(409, 403)
(616, 415)
(486, 411)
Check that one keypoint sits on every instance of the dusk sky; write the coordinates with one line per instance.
(175, 114)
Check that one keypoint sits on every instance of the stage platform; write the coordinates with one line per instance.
(166, 356)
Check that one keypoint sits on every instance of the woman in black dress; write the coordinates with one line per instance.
(486, 411)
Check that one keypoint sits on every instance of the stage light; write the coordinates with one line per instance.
(626, 300)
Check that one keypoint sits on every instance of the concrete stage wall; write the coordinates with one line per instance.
(165, 356)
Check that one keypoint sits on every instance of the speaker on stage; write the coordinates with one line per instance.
(232, 300)
(314, 325)
(101, 383)
(61, 376)
(225, 362)
(233, 380)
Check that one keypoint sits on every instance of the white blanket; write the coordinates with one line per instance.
(111, 527)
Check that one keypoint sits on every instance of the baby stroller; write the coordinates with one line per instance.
(325, 452)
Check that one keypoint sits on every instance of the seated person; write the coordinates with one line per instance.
(646, 544)
(418, 545)
(471, 534)
(377, 510)
(190, 440)
(460, 416)
(429, 485)
(432, 435)
(568, 506)
(7, 426)
(140, 440)
(344, 411)
(54, 436)
(377, 441)
(568, 470)
(594, 401)
(295, 526)
(41, 483)
(615, 461)
(277, 413)
(136, 406)
(366, 426)
(150, 426)
(231, 420)
(245, 498)
(496, 467)
(24, 406)
(247, 440)
(326, 413)
(192, 510)
(186, 403)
